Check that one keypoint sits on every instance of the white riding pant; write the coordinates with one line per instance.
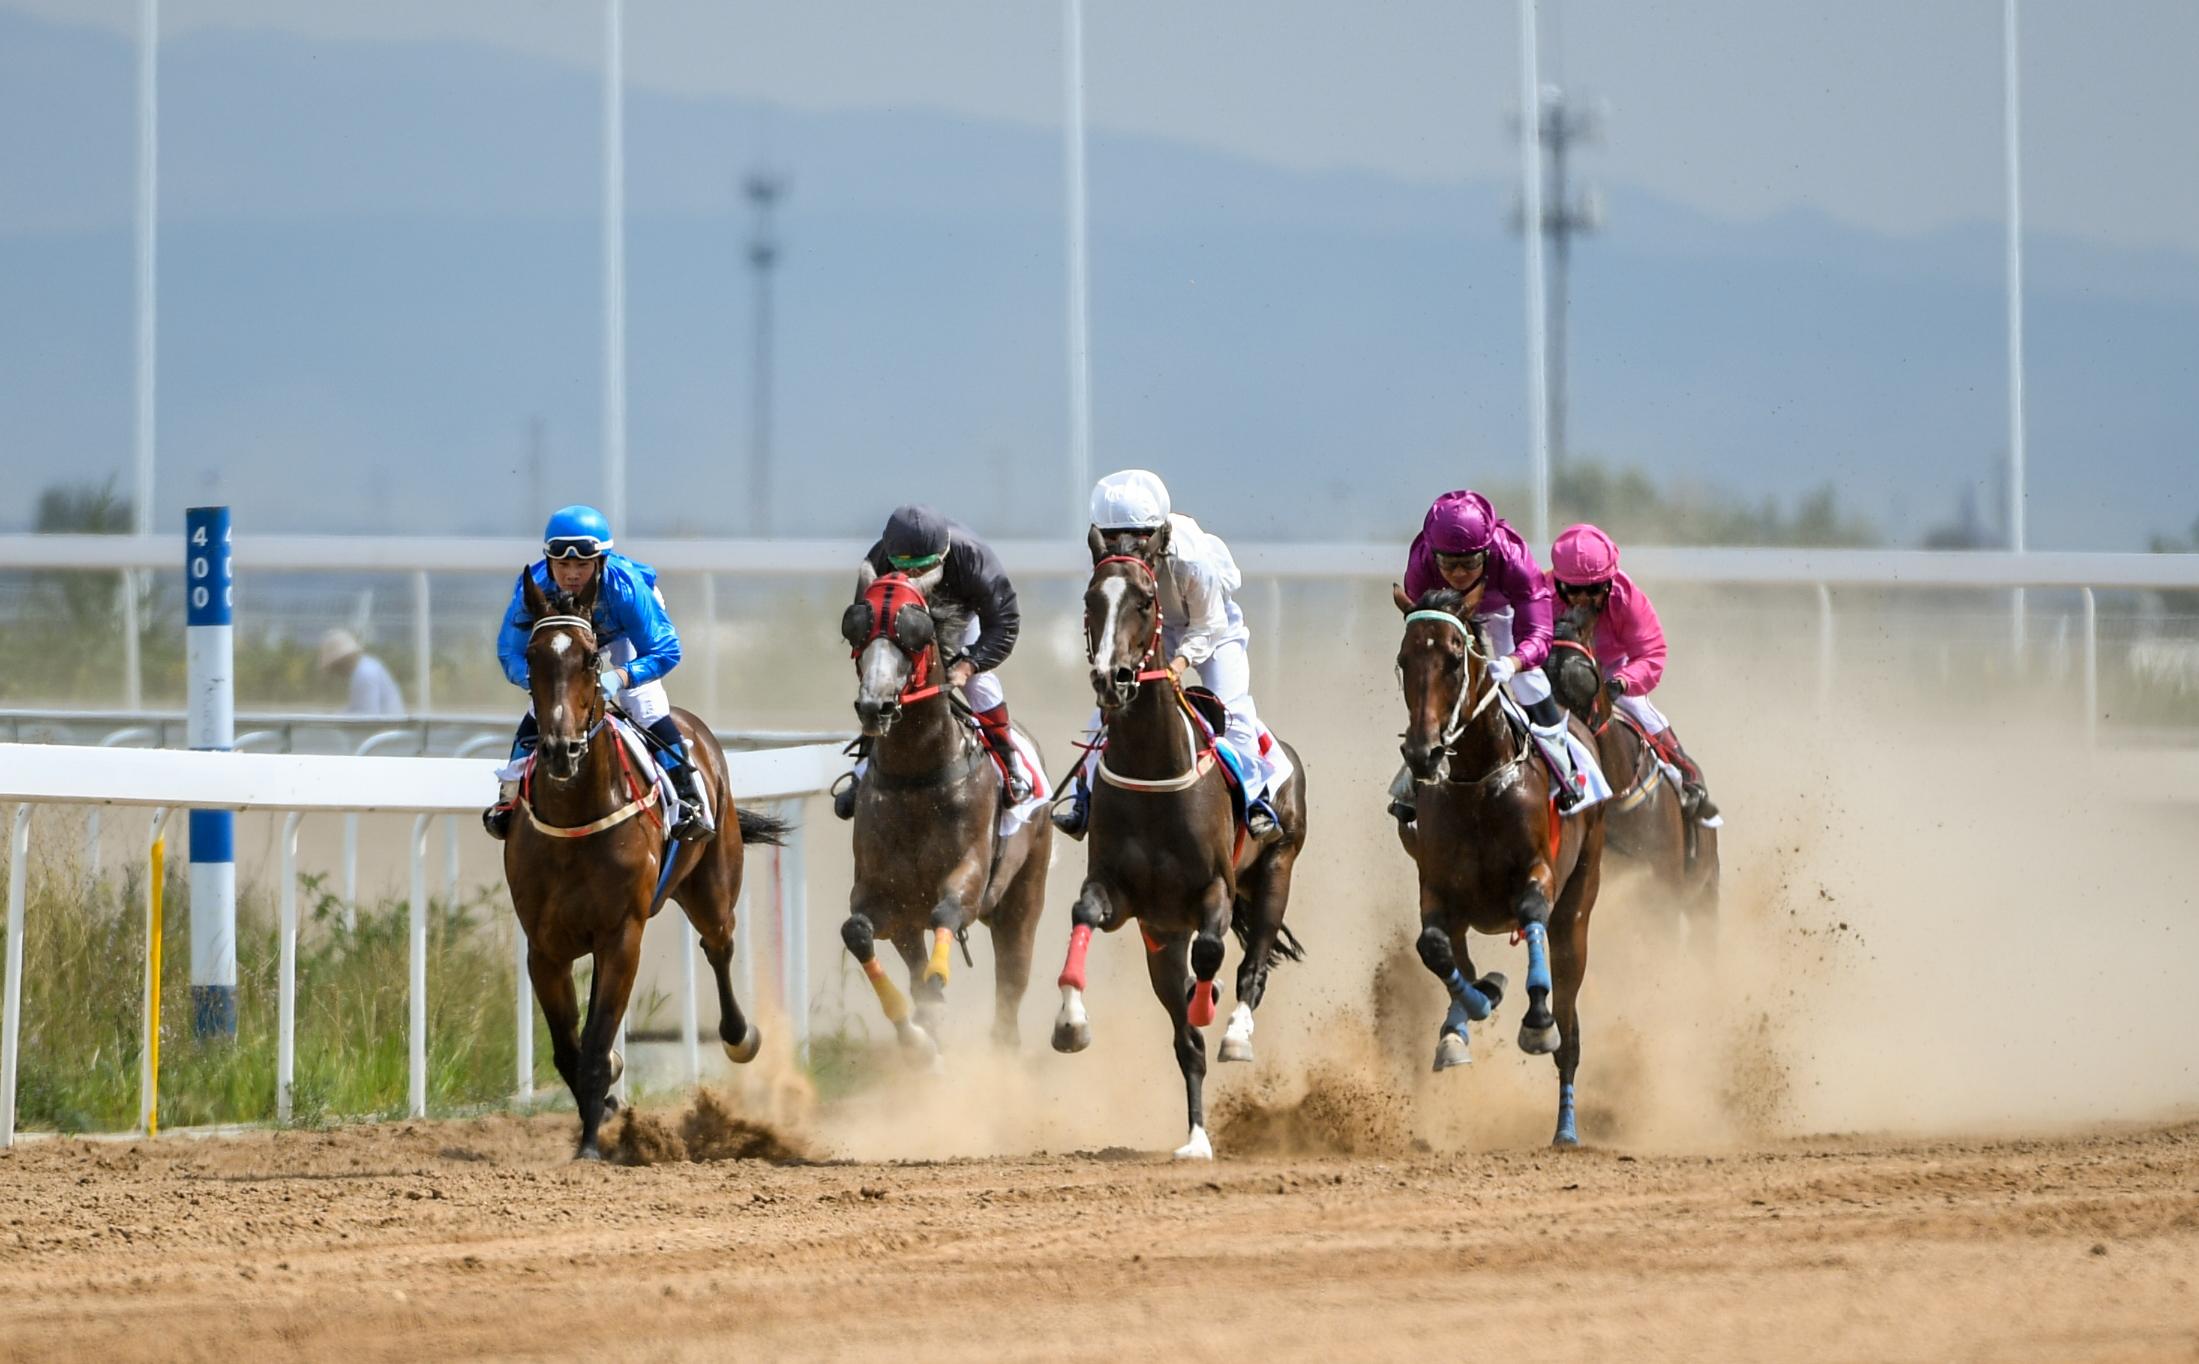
(1646, 715)
(1528, 686)
(984, 690)
(1227, 673)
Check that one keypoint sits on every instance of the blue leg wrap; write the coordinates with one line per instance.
(1466, 1000)
(1454, 1019)
(1538, 958)
(1566, 1136)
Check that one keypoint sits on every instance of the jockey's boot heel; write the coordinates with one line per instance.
(497, 819)
(1072, 814)
(694, 824)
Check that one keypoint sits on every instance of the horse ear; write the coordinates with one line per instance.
(531, 593)
(1158, 545)
(1097, 543)
(865, 575)
(1404, 603)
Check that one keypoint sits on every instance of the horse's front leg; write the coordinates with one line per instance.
(553, 988)
(1207, 949)
(927, 1002)
(1444, 953)
(1167, 962)
(860, 935)
(1538, 1028)
(617, 959)
(1094, 911)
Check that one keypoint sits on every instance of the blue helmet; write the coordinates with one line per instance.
(576, 532)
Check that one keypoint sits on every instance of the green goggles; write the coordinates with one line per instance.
(913, 563)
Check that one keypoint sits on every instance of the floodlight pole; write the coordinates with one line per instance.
(1538, 379)
(2012, 146)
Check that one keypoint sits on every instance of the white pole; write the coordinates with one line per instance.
(614, 267)
(417, 991)
(2091, 670)
(148, 226)
(2012, 146)
(1538, 377)
(523, 1019)
(11, 1013)
(690, 1016)
(1079, 322)
(148, 1043)
(148, 295)
(286, 972)
(423, 643)
(794, 925)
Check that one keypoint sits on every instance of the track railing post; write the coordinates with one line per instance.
(522, 1019)
(1826, 649)
(11, 1015)
(286, 972)
(2091, 669)
(148, 1080)
(690, 1019)
(417, 990)
(794, 923)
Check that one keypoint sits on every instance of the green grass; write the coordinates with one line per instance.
(83, 989)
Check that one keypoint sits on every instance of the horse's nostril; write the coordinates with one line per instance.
(1124, 677)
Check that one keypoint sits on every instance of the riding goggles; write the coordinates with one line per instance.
(1566, 589)
(913, 563)
(575, 547)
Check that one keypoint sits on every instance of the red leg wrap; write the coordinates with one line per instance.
(1072, 971)
(1206, 996)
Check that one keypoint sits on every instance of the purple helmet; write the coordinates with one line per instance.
(1462, 522)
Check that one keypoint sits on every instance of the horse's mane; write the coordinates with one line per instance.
(564, 604)
(1125, 543)
(1573, 623)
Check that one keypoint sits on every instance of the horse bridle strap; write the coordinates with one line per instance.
(1457, 725)
(642, 801)
(1201, 764)
(1153, 645)
(577, 622)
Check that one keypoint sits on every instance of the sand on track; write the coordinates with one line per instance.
(478, 1237)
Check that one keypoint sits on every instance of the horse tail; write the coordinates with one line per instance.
(1286, 948)
(760, 828)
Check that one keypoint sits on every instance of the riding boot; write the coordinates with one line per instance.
(1693, 790)
(1262, 822)
(497, 819)
(1565, 788)
(694, 824)
(993, 724)
(1072, 814)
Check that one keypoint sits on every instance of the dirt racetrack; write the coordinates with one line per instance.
(425, 1240)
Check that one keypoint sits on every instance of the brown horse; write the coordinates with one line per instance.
(929, 860)
(585, 859)
(1645, 821)
(1493, 854)
(1164, 847)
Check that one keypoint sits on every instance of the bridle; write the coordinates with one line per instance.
(1146, 672)
(885, 614)
(1460, 717)
(598, 713)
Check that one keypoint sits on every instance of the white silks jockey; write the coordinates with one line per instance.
(1201, 628)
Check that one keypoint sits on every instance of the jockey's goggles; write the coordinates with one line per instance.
(574, 547)
(1566, 589)
(913, 563)
(1471, 559)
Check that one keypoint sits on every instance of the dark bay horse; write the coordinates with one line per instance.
(1164, 847)
(929, 860)
(1645, 821)
(585, 859)
(1494, 856)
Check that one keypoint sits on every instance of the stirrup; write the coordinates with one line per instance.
(1566, 793)
(497, 820)
(1262, 822)
(1699, 803)
(843, 796)
(1404, 813)
(1071, 815)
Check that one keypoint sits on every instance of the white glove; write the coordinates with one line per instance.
(607, 679)
(1502, 670)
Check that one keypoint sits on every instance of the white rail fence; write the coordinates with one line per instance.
(300, 785)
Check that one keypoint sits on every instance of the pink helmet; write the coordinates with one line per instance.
(1583, 554)
(1460, 523)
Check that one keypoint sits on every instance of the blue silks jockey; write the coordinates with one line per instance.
(637, 641)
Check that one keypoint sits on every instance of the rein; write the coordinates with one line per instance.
(1203, 755)
(1457, 724)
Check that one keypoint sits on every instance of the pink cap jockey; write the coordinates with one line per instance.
(1463, 522)
(1629, 641)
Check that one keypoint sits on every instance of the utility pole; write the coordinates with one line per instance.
(1560, 126)
(763, 188)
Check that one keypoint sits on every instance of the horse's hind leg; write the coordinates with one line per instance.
(1014, 925)
(1266, 898)
(707, 898)
(617, 958)
(1444, 954)
(1167, 966)
(1569, 953)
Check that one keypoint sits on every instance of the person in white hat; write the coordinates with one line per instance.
(373, 690)
(1201, 628)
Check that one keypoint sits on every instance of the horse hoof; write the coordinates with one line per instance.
(1072, 1037)
(1451, 1052)
(1235, 1050)
(611, 1106)
(1492, 987)
(1538, 1041)
(618, 1065)
(1237, 1038)
(751, 1042)
(1198, 1148)
(1565, 1138)
(922, 1051)
(588, 1153)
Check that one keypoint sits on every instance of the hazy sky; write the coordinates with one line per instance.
(1884, 113)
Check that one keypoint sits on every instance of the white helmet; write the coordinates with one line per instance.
(1132, 499)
